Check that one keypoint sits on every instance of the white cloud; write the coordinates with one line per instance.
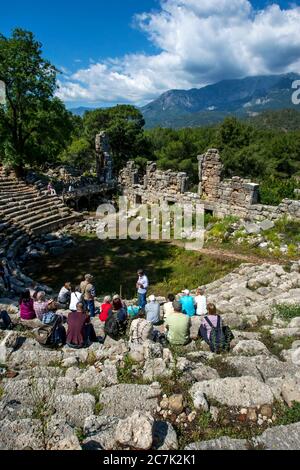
(200, 42)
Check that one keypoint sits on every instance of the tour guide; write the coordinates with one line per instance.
(142, 287)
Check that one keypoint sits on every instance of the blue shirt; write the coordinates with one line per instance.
(152, 310)
(132, 310)
(188, 305)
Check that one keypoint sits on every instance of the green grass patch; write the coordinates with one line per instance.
(276, 346)
(287, 312)
(286, 415)
(223, 368)
(114, 264)
(130, 372)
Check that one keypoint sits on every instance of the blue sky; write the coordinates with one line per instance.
(133, 50)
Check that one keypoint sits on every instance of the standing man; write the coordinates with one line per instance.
(88, 291)
(142, 288)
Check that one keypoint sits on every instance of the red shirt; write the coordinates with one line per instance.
(105, 308)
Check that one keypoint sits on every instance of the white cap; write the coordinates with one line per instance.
(186, 292)
(152, 298)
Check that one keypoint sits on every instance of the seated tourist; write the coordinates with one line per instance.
(76, 297)
(40, 304)
(141, 330)
(26, 306)
(152, 310)
(80, 333)
(209, 321)
(222, 337)
(168, 306)
(120, 311)
(200, 300)
(88, 291)
(64, 295)
(187, 303)
(5, 321)
(133, 310)
(52, 318)
(105, 308)
(178, 326)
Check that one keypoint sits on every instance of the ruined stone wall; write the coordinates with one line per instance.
(236, 196)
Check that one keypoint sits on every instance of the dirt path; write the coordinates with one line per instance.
(218, 252)
(231, 255)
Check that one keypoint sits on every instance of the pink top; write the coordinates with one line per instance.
(40, 308)
(27, 311)
(214, 321)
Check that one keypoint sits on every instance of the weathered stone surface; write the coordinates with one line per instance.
(290, 390)
(31, 392)
(136, 431)
(75, 409)
(164, 436)
(123, 399)
(93, 378)
(27, 434)
(195, 372)
(156, 368)
(38, 357)
(232, 391)
(281, 438)
(250, 348)
(100, 432)
(223, 443)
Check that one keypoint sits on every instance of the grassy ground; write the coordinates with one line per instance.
(115, 262)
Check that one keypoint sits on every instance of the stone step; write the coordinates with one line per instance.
(52, 218)
(16, 214)
(25, 202)
(28, 219)
(18, 197)
(52, 226)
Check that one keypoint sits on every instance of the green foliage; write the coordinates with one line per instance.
(221, 226)
(125, 372)
(223, 368)
(273, 190)
(80, 434)
(286, 311)
(34, 126)
(1, 392)
(288, 415)
(124, 127)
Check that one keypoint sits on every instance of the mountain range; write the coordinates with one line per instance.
(244, 98)
(247, 97)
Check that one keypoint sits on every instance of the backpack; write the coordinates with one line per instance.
(220, 337)
(112, 326)
(50, 334)
(49, 318)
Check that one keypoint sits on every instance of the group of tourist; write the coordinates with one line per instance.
(143, 319)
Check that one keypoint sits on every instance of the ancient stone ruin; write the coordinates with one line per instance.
(104, 164)
(221, 197)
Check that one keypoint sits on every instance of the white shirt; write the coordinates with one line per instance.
(144, 281)
(75, 298)
(200, 301)
(168, 308)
